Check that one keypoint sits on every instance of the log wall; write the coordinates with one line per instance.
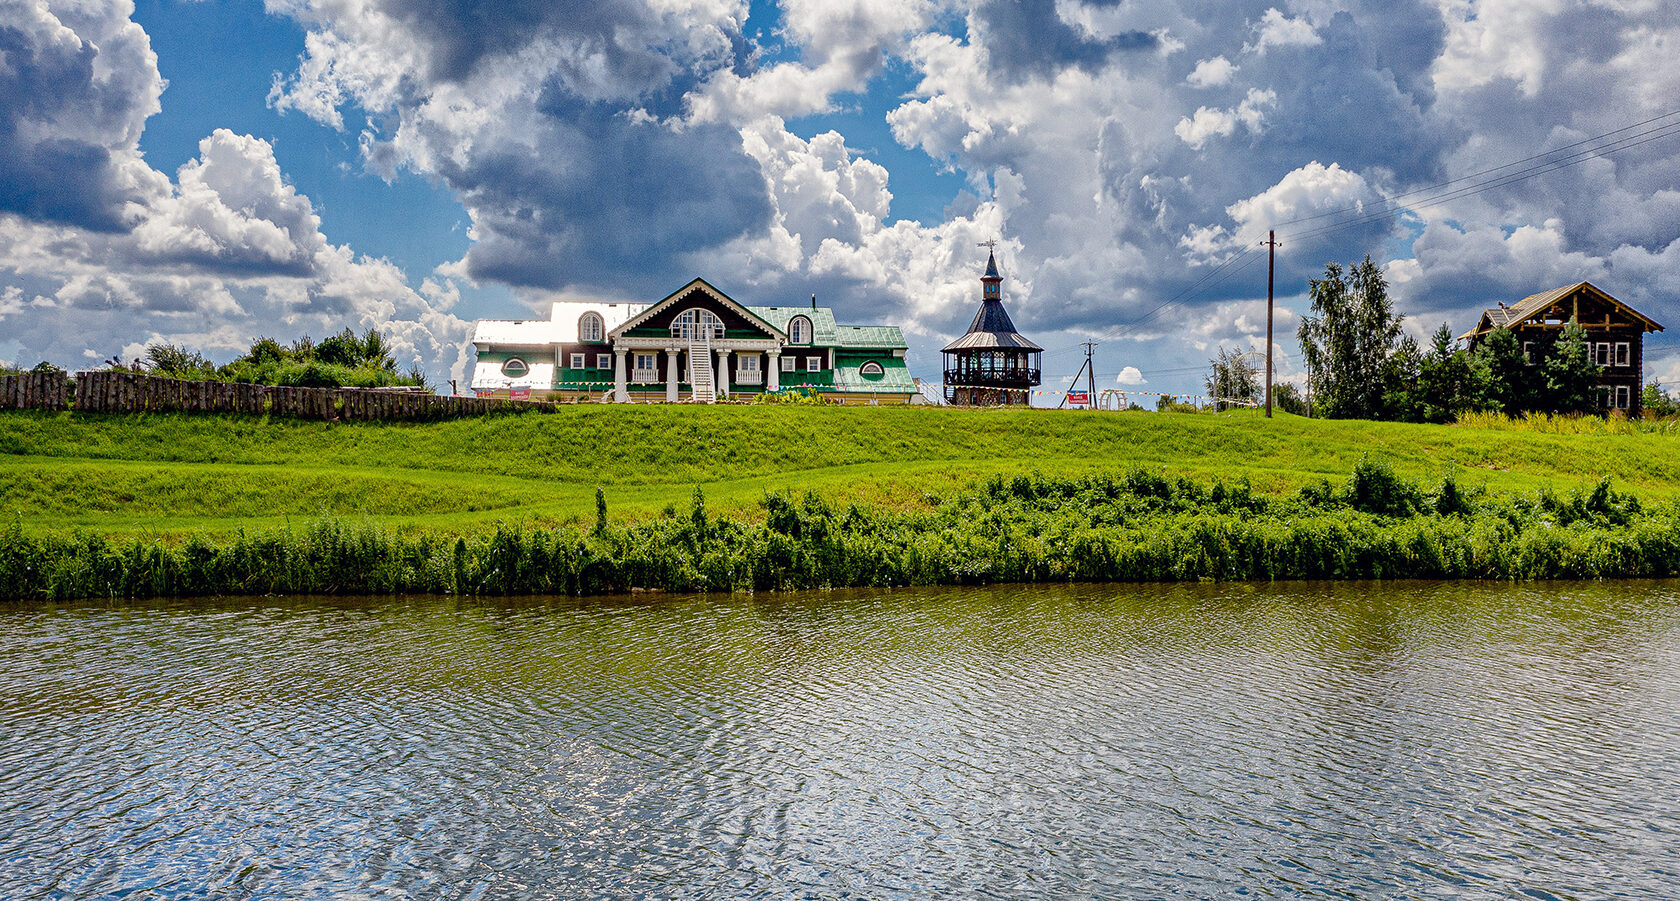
(115, 391)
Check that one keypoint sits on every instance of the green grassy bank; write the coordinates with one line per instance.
(807, 497)
(1137, 527)
(173, 476)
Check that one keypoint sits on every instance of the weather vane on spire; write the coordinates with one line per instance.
(990, 244)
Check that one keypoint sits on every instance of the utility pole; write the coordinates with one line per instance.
(1090, 374)
(1090, 377)
(1271, 255)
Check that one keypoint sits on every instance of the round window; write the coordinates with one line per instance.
(514, 367)
(871, 370)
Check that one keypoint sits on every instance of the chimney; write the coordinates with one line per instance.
(813, 301)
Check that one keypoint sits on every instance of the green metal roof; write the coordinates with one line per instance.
(822, 321)
(825, 333)
(885, 337)
(894, 377)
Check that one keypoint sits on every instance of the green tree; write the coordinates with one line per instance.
(175, 362)
(1289, 398)
(1349, 340)
(1232, 377)
(1571, 377)
(1401, 399)
(1503, 375)
(1446, 383)
(1655, 401)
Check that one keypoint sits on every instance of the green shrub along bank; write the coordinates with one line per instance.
(1134, 527)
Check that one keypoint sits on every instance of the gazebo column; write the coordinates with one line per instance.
(621, 381)
(671, 378)
(773, 363)
(723, 373)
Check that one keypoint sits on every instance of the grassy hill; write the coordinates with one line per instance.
(174, 475)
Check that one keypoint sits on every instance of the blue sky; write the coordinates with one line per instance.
(206, 173)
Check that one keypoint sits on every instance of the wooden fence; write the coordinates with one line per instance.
(34, 391)
(114, 391)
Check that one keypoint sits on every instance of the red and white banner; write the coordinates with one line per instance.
(519, 393)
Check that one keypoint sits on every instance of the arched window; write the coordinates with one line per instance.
(799, 330)
(513, 367)
(871, 370)
(696, 322)
(590, 328)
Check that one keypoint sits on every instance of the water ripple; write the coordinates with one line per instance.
(1316, 741)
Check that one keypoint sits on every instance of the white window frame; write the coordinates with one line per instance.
(645, 374)
(799, 330)
(1624, 354)
(871, 368)
(813, 364)
(603, 361)
(692, 320)
(789, 363)
(1621, 397)
(747, 372)
(511, 364)
(1528, 351)
(1602, 396)
(1601, 353)
(591, 328)
(577, 361)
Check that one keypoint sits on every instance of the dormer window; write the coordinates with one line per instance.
(590, 328)
(799, 330)
(871, 370)
(514, 367)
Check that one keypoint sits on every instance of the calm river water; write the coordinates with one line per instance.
(1347, 741)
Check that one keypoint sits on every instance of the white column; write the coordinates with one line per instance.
(671, 375)
(723, 373)
(621, 382)
(773, 374)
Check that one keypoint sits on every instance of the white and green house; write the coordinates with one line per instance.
(697, 344)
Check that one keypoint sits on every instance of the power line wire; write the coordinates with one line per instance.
(1520, 175)
(1542, 155)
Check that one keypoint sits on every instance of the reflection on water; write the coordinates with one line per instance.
(1401, 740)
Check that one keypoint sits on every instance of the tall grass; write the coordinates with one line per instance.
(1136, 526)
(1571, 424)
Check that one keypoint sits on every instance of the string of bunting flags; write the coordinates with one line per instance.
(1076, 397)
(1083, 397)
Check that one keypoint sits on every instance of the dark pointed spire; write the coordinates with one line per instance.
(992, 327)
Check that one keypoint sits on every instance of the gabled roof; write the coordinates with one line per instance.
(1537, 304)
(702, 285)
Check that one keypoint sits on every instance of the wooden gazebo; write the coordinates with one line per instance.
(991, 364)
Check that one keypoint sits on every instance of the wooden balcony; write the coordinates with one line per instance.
(1006, 377)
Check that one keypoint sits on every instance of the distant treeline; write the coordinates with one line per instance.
(344, 360)
(1134, 527)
